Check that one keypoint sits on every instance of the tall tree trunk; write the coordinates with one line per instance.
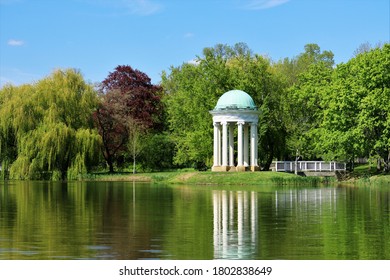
(269, 160)
(352, 163)
(109, 161)
(110, 165)
(387, 163)
(379, 164)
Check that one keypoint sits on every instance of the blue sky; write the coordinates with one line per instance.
(94, 36)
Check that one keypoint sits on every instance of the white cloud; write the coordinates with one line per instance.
(264, 4)
(15, 43)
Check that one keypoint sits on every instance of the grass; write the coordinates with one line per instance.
(362, 175)
(192, 177)
(238, 178)
(128, 176)
(366, 174)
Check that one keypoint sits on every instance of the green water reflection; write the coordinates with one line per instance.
(125, 220)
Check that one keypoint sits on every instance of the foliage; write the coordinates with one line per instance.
(305, 109)
(140, 96)
(292, 69)
(159, 153)
(306, 78)
(111, 127)
(192, 90)
(46, 130)
(128, 99)
(339, 113)
(357, 116)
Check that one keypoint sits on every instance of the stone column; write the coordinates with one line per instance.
(254, 148)
(224, 144)
(231, 144)
(240, 159)
(216, 144)
(246, 146)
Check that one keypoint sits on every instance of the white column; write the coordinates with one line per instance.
(254, 144)
(231, 144)
(246, 147)
(240, 144)
(224, 144)
(216, 144)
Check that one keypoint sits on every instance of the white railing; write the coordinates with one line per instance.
(314, 166)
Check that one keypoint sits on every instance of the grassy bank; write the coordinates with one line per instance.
(214, 178)
(366, 174)
(371, 180)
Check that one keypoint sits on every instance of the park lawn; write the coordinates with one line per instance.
(362, 175)
(213, 178)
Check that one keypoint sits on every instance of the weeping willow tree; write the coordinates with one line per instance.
(46, 129)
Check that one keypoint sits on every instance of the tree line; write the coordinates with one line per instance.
(62, 127)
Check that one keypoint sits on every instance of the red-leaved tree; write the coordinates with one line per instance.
(128, 98)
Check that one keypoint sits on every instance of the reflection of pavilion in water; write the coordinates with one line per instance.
(236, 231)
(235, 224)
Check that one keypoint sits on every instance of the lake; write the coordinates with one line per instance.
(126, 220)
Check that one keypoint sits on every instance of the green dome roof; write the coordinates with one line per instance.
(235, 100)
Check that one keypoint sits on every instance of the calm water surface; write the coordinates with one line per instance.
(125, 220)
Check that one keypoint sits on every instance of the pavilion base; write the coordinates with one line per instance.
(241, 168)
(220, 168)
(235, 168)
(255, 168)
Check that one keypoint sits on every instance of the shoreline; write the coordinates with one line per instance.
(232, 178)
(204, 178)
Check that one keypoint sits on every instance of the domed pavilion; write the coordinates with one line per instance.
(235, 108)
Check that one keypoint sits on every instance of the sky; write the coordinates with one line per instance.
(95, 36)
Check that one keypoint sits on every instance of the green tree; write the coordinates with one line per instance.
(158, 155)
(357, 116)
(339, 137)
(8, 143)
(305, 110)
(47, 129)
(192, 90)
(188, 101)
(308, 77)
(292, 68)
